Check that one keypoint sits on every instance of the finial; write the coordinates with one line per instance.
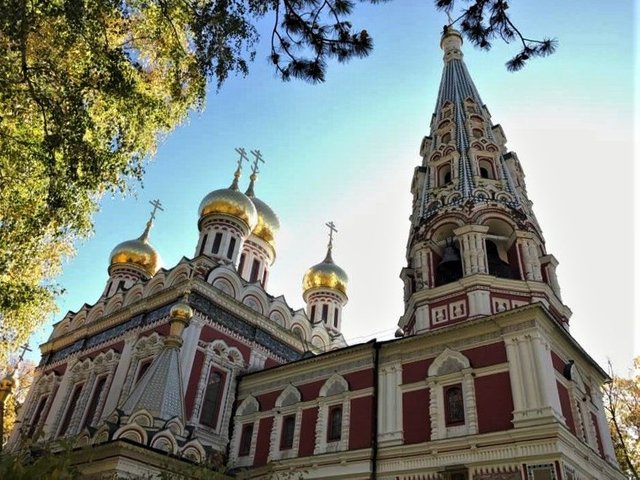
(156, 206)
(332, 229)
(236, 176)
(254, 172)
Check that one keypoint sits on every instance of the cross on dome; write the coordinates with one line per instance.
(332, 229)
(236, 176)
(258, 158)
(24, 349)
(156, 206)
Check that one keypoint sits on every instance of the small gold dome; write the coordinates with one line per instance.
(268, 223)
(234, 203)
(181, 311)
(325, 275)
(138, 252)
(7, 383)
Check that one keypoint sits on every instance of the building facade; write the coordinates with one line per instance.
(198, 363)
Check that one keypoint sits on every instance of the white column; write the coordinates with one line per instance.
(190, 338)
(472, 248)
(390, 405)
(119, 377)
(479, 303)
(603, 427)
(530, 256)
(550, 264)
(544, 367)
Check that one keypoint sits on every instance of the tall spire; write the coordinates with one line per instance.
(473, 230)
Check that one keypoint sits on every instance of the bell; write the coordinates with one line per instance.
(450, 267)
(449, 255)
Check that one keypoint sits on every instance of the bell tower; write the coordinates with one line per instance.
(475, 247)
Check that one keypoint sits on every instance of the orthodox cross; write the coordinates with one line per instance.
(258, 155)
(156, 206)
(449, 16)
(243, 156)
(25, 348)
(332, 229)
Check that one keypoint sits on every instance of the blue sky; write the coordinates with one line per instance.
(345, 151)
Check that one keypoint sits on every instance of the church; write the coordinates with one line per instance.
(200, 364)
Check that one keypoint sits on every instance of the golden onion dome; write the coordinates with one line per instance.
(325, 275)
(137, 252)
(228, 201)
(7, 383)
(268, 223)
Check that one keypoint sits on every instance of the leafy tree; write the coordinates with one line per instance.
(622, 403)
(89, 87)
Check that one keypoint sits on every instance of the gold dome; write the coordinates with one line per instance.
(325, 275)
(227, 201)
(138, 252)
(268, 223)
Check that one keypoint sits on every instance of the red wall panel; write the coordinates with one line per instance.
(558, 363)
(192, 387)
(268, 400)
(360, 379)
(415, 418)
(415, 371)
(263, 440)
(310, 391)
(494, 402)
(361, 428)
(308, 432)
(598, 437)
(565, 403)
(486, 355)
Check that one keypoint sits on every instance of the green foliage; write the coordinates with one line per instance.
(89, 87)
(28, 464)
(622, 404)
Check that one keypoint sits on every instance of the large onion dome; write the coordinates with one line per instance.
(268, 224)
(138, 252)
(325, 275)
(230, 201)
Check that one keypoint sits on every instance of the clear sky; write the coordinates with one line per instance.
(345, 151)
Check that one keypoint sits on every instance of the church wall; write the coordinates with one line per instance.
(359, 380)
(594, 420)
(307, 431)
(494, 402)
(415, 371)
(116, 347)
(486, 355)
(262, 445)
(416, 421)
(310, 391)
(267, 401)
(360, 428)
(270, 362)
(209, 334)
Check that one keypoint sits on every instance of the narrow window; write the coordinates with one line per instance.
(142, 369)
(245, 440)
(288, 427)
(36, 418)
(335, 317)
(217, 240)
(484, 173)
(203, 244)
(120, 285)
(241, 264)
(313, 313)
(75, 396)
(447, 177)
(477, 133)
(454, 405)
(232, 247)
(255, 268)
(95, 399)
(334, 432)
(325, 312)
(211, 404)
(264, 277)
(446, 138)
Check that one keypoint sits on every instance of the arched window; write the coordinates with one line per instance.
(202, 245)
(454, 405)
(217, 240)
(245, 439)
(212, 396)
(484, 173)
(71, 408)
(95, 399)
(477, 133)
(334, 432)
(444, 175)
(288, 429)
(241, 264)
(446, 138)
(486, 168)
(255, 269)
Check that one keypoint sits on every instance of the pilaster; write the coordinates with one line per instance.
(62, 395)
(119, 376)
(390, 405)
(472, 248)
(188, 351)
